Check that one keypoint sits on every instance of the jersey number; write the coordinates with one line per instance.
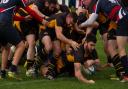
(4, 1)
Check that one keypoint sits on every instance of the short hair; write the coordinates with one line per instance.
(91, 38)
(74, 16)
(52, 1)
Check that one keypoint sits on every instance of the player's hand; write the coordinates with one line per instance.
(74, 45)
(91, 82)
(82, 32)
(83, 40)
(45, 22)
(28, 18)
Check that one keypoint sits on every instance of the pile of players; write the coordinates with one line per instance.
(56, 39)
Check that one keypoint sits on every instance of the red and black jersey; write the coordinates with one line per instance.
(7, 8)
(109, 7)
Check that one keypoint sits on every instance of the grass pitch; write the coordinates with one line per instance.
(63, 82)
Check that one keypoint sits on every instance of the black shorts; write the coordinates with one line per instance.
(94, 31)
(8, 34)
(111, 34)
(103, 28)
(122, 29)
(77, 37)
(31, 27)
(48, 32)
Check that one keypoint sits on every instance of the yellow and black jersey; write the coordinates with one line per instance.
(20, 12)
(112, 26)
(102, 18)
(58, 20)
(52, 22)
(26, 27)
(23, 13)
(82, 55)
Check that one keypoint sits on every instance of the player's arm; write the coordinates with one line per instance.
(21, 18)
(90, 21)
(35, 8)
(79, 30)
(64, 39)
(79, 75)
(23, 3)
(60, 36)
(35, 15)
(92, 18)
(18, 18)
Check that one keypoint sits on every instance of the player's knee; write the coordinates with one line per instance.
(48, 48)
(21, 45)
(32, 44)
(57, 52)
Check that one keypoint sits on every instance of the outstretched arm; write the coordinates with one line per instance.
(79, 75)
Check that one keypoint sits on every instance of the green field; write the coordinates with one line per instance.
(64, 82)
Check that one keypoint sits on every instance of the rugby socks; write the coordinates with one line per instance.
(2, 73)
(29, 63)
(109, 59)
(9, 63)
(118, 65)
(13, 68)
(59, 63)
(51, 68)
(124, 61)
(50, 57)
(51, 73)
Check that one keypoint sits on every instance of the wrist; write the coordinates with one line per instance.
(70, 41)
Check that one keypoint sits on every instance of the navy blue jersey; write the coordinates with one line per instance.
(7, 8)
(104, 6)
(109, 7)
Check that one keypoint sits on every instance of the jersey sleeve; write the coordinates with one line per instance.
(79, 55)
(59, 21)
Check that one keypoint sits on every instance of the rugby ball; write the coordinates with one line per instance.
(90, 70)
(30, 72)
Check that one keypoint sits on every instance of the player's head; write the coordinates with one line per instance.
(87, 2)
(90, 42)
(71, 18)
(50, 4)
